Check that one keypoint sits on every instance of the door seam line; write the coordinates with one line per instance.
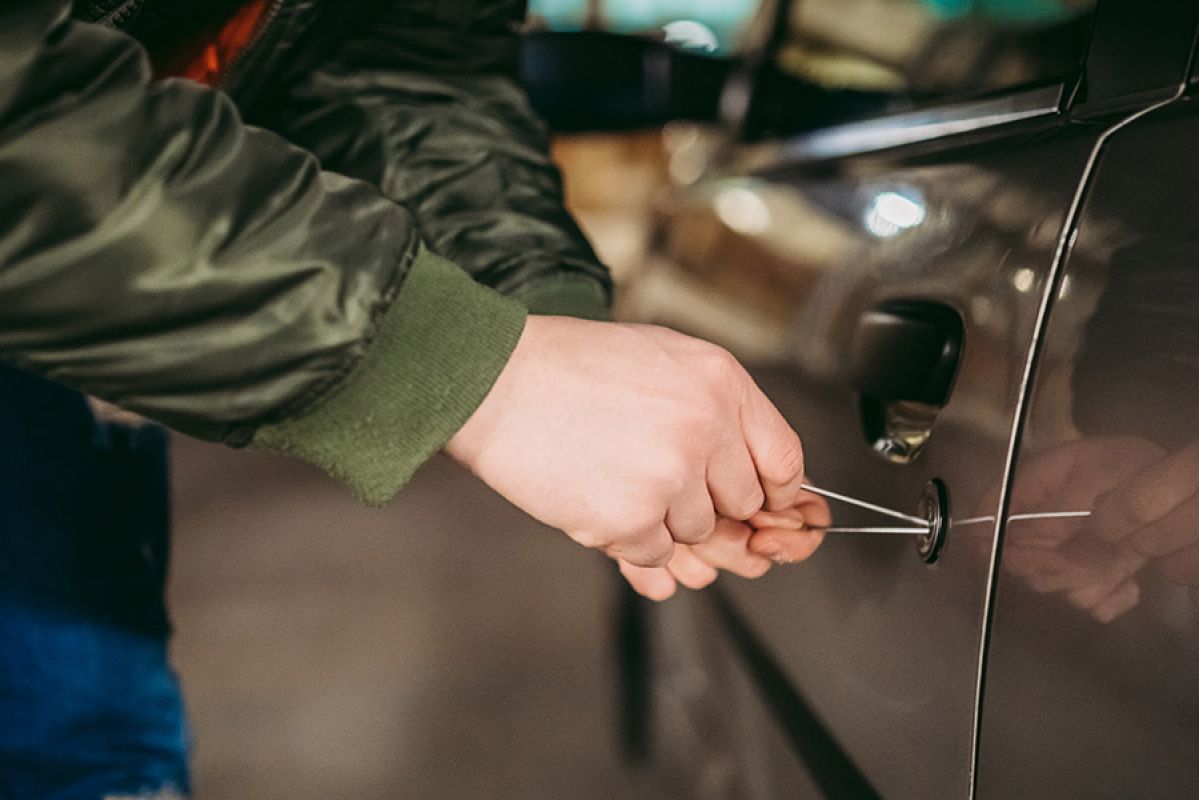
(1064, 247)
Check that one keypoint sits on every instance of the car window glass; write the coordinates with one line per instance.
(715, 27)
(847, 59)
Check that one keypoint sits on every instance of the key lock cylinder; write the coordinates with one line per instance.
(928, 526)
(934, 507)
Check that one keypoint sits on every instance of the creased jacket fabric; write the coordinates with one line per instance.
(282, 285)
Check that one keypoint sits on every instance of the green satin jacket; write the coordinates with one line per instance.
(302, 283)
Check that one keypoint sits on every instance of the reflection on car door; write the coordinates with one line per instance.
(1091, 684)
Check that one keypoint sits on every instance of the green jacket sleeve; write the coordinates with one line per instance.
(156, 252)
(424, 102)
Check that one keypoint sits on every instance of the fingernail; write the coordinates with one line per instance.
(777, 554)
(771, 550)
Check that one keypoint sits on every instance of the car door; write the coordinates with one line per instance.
(1094, 650)
(867, 657)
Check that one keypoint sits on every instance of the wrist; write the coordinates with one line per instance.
(473, 438)
(431, 358)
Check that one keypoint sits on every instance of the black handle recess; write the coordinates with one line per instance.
(907, 350)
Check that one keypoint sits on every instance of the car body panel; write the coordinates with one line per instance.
(778, 259)
(713, 734)
(883, 646)
(1139, 51)
(1090, 681)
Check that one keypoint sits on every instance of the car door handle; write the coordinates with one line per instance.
(904, 357)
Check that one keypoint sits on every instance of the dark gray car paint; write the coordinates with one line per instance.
(1073, 707)
(885, 647)
(1091, 687)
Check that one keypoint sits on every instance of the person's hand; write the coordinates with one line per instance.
(747, 549)
(1093, 572)
(1154, 513)
(630, 438)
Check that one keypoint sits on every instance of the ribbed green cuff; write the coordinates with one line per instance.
(566, 296)
(434, 357)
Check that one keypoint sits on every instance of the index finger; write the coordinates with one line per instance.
(775, 449)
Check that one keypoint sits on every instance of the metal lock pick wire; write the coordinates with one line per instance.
(853, 501)
(921, 525)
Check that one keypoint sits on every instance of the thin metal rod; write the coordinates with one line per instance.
(1026, 517)
(971, 521)
(835, 529)
(1049, 515)
(853, 501)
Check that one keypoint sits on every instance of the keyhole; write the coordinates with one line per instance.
(934, 507)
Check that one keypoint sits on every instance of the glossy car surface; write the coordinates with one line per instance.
(1036, 657)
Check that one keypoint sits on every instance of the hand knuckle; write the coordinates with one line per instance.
(639, 512)
(786, 461)
(644, 549)
(747, 504)
(656, 553)
(664, 476)
(590, 539)
(642, 520)
(721, 367)
(697, 533)
(1141, 506)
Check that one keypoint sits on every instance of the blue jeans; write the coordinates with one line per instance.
(89, 706)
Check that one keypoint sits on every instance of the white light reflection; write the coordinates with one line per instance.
(980, 309)
(691, 35)
(891, 213)
(1023, 279)
(742, 210)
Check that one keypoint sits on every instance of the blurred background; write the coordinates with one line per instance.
(446, 646)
